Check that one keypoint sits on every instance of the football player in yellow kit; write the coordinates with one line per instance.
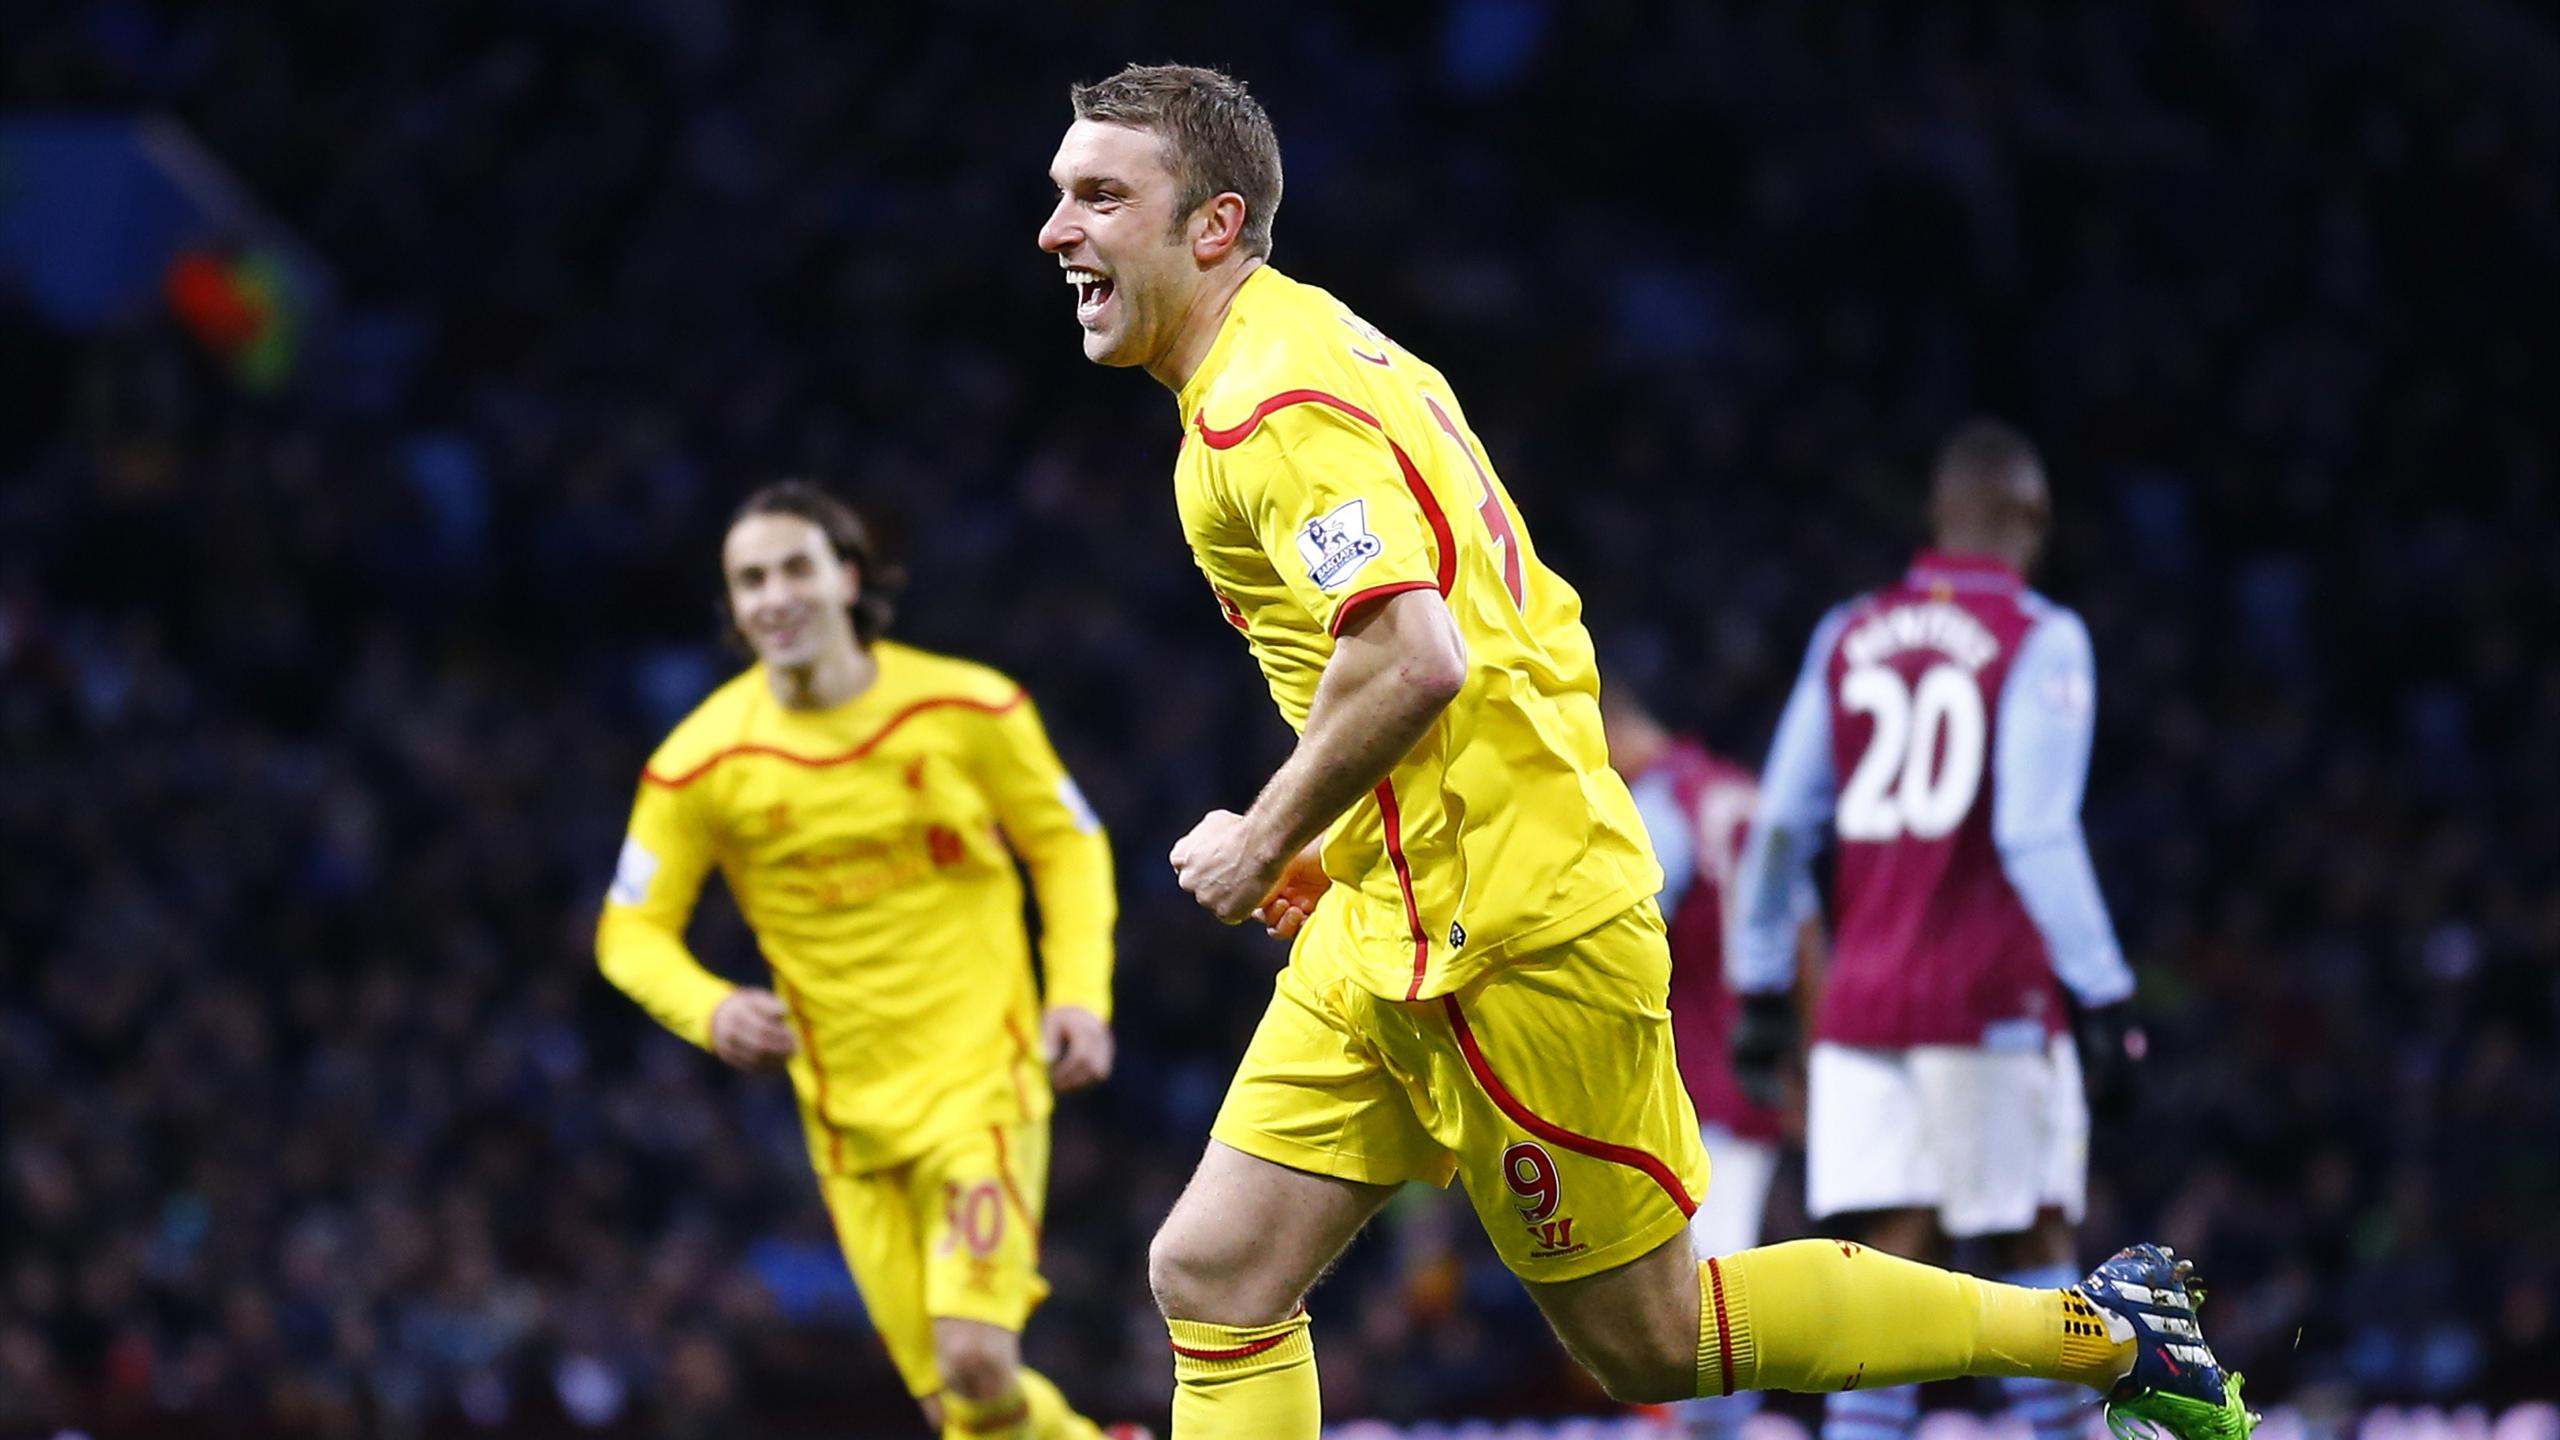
(1478, 983)
(867, 804)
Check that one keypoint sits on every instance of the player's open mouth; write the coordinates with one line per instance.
(1093, 291)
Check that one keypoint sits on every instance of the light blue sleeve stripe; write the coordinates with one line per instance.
(1796, 793)
(2040, 770)
(1675, 842)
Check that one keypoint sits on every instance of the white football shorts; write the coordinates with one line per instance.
(1985, 1137)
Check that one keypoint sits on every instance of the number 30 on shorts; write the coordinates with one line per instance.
(974, 1216)
(1531, 1173)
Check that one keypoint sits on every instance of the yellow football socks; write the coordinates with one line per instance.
(1823, 1315)
(1244, 1382)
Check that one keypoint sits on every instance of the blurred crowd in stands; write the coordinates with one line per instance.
(320, 711)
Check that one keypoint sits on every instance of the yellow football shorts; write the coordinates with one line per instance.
(953, 1234)
(1548, 1086)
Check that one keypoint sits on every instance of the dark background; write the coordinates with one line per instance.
(321, 704)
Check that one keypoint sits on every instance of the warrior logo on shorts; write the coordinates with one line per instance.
(1531, 1173)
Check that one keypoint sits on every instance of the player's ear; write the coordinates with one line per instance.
(1219, 229)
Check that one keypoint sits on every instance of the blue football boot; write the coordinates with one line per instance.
(2176, 1385)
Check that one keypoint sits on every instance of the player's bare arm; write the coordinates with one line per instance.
(1397, 664)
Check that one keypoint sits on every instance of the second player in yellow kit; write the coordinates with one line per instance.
(870, 839)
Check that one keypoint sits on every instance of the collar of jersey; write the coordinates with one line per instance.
(1963, 572)
(867, 699)
(1195, 391)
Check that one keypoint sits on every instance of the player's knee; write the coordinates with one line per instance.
(977, 1363)
(1183, 1275)
(1199, 1274)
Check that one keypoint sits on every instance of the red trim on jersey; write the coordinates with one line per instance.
(1441, 534)
(1430, 503)
(1386, 793)
(1235, 435)
(1549, 1131)
(678, 782)
(817, 1072)
(1004, 1173)
(1021, 1053)
(1374, 592)
(1724, 1331)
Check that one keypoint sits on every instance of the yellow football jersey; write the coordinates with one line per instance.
(872, 848)
(1324, 466)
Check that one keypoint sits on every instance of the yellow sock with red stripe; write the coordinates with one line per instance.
(1052, 1418)
(1245, 1382)
(1007, 1417)
(1823, 1315)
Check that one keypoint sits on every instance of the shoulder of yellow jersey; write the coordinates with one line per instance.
(1295, 338)
(910, 675)
(715, 726)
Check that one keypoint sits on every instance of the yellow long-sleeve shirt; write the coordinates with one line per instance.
(1324, 467)
(871, 847)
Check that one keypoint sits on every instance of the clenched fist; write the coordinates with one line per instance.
(1223, 864)
(751, 1030)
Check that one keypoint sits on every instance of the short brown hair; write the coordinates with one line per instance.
(1215, 134)
(847, 534)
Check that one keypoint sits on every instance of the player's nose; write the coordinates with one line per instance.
(1056, 233)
